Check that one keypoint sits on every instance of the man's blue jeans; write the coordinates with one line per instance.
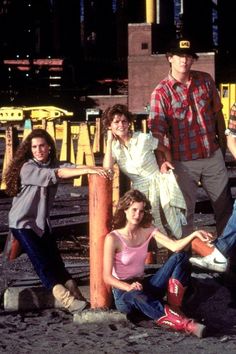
(226, 243)
(149, 301)
(44, 255)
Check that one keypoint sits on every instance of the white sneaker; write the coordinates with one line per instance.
(210, 263)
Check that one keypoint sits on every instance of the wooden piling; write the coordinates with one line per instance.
(100, 217)
(201, 248)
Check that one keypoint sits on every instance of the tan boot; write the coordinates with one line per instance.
(72, 286)
(67, 300)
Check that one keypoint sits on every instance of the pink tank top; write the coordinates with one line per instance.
(130, 262)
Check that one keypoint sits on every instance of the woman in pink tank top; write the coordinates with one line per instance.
(125, 251)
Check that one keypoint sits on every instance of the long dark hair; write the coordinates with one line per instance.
(133, 195)
(23, 154)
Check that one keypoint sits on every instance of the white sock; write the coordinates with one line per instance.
(218, 255)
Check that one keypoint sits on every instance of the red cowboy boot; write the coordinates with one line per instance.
(175, 294)
(176, 322)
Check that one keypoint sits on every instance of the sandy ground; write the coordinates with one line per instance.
(53, 330)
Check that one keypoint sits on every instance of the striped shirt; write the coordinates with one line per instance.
(138, 162)
(185, 114)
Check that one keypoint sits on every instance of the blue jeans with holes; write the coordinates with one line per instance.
(149, 301)
(44, 255)
(226, 243)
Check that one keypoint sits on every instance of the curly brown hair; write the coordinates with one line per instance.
(110, 112)
(133, 195)
(23, 154)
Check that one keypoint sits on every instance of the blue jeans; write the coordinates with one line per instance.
(44, 255)
(226, 243)
(149, 301)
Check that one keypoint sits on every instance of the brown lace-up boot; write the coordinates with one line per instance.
(72, 286)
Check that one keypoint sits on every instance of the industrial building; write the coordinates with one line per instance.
(83, 48)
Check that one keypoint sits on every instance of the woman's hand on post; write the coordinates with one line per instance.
(99, 171)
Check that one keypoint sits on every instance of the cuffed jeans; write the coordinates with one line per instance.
(226, 243)
(44, 255)
(149, 301)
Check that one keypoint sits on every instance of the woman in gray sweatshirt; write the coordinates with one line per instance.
(32, 179)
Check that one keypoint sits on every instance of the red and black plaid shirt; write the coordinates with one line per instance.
(185, 114)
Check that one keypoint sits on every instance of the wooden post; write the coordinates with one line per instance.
(44, 123)
(11, 140)
(84, 151)
(67, 148)
(12, 248)
(144, 125)
(100, 217)
(201, 248)
(115, 187)
(11, 144)
(51, 129)
(97, 136)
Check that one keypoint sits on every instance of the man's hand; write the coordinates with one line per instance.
(163, 156)
(166, 166)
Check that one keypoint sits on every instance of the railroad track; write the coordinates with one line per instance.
(69, 215)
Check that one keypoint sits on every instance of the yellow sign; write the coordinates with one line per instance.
(184, 44)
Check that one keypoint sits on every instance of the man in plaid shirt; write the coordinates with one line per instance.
(185, 111)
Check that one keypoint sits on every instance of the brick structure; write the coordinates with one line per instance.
(146, 69)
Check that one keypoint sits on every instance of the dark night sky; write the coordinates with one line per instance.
(91, 36)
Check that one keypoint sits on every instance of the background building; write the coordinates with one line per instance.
(91, 39)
